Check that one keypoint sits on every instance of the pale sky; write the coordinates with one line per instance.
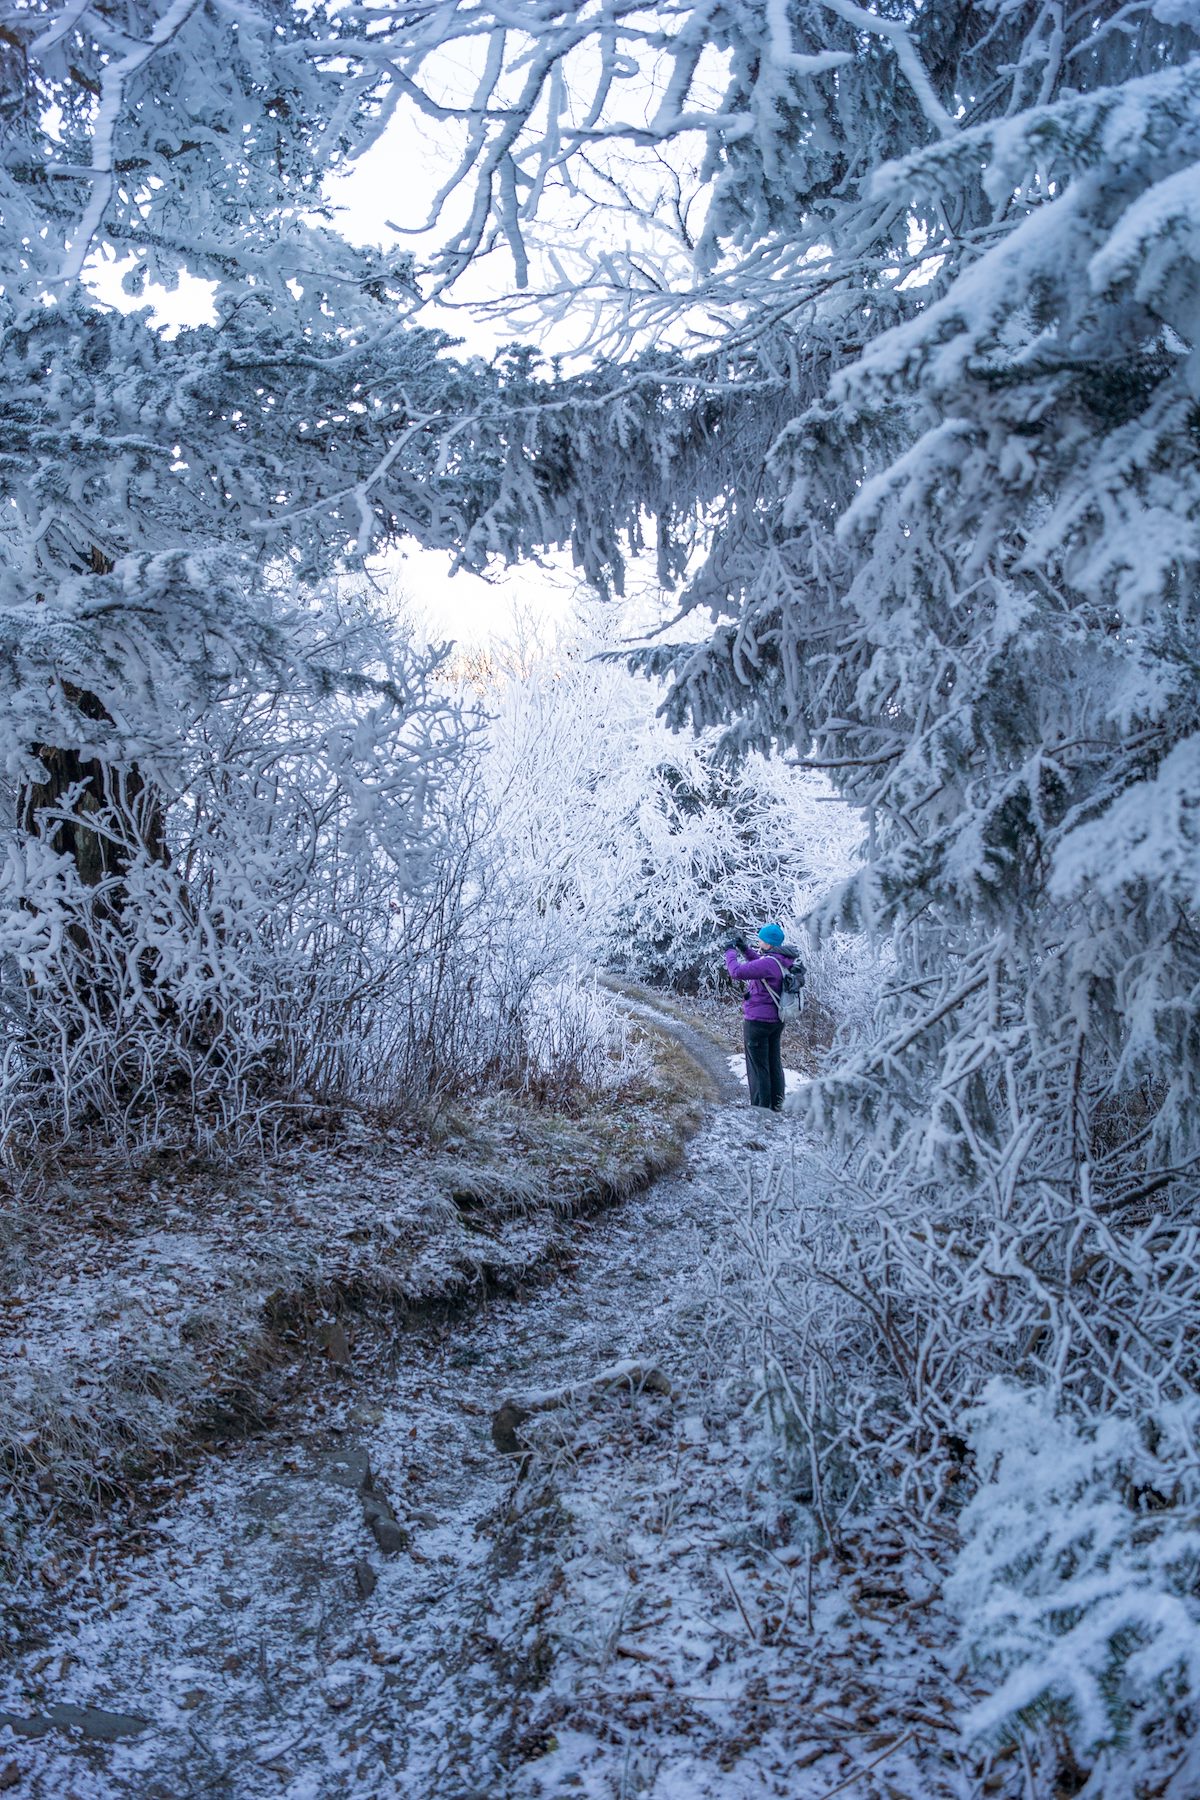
(472, 610)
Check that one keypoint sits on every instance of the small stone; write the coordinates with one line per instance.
(366, 1415)
(96, 1722)
(34, 1727)
(386, 1529)
(10, 1774)
(339, 1694)
(655, 1382)
(193, 1698)
(351, 1468)
(389, 1534)
(506, 1421)
(365, 1578)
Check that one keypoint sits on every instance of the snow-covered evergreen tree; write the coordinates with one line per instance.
(919, 428)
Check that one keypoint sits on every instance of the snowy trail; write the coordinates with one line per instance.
(267, 1644)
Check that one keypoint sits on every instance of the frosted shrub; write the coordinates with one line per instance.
(580, 1037)
(1016, 1380)
(319, 915)
(1077, 1581)
(788, 1305)
(843, 976)
(489, 992)
(326, 919)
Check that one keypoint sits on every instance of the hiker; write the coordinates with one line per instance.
(762, 1017)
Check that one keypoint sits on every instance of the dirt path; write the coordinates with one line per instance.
(326, 1615)
(703, 1050)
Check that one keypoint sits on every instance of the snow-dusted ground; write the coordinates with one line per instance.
(632, 1610)
(793, 1080)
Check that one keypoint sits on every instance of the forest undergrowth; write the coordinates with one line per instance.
(784, 1566)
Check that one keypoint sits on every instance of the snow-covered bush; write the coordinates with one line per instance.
(215, 922)
(1077, 1578)
(210, 812)
(579, 1038)
(844, 977)
(488, 992)
(644, 845)
(302, 897)
(1019, 1389)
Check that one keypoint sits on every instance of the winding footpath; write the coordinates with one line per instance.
(325, 1615)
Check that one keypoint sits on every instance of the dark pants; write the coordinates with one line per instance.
(764, 1062)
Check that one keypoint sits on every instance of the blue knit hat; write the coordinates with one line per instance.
(771, 934)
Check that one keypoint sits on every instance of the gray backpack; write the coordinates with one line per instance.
(790, 998)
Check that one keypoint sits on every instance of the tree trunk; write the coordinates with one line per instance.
(129, 814)
(105, 817)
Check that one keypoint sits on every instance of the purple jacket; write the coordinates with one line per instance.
(762, 972)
